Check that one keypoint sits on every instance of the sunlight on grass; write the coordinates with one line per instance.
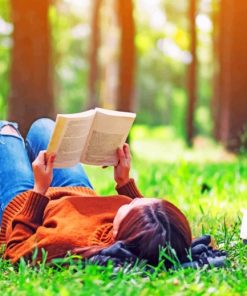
(209, 192)
(162, 144)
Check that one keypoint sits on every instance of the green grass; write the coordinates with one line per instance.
(216, 210)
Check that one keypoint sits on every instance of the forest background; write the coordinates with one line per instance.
(182, 66)
(177, 65)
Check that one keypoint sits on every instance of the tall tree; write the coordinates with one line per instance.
(31, 74)
(231, 104)
(192, 73)
(109, 55)
(127, 56)
(215, 13)
(93, 78)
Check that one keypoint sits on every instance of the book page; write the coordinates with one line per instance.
(108, 132)
(72, 139)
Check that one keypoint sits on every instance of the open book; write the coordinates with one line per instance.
(90, 137)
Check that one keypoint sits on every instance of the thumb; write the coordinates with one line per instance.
(40, 159)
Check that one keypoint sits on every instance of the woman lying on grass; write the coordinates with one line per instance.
(57, 209)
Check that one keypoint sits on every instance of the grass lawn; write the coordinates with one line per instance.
(208, 184)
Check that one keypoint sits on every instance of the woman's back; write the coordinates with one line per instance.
(62, 224)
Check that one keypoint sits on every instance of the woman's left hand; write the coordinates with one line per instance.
(43, 171)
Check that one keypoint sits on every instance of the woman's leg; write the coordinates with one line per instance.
(38, 139)
(16, 173)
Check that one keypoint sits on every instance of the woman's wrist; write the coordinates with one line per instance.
(121, 183)
(39, 190)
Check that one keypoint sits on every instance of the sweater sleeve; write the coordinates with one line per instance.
(129, 189)
(24, 225)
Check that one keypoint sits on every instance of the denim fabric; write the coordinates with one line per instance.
(16, 173)
(37, 139)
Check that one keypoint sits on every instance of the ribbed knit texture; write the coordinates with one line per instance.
(53, 193)
(34, 207)
(64, 219)
(130, 189)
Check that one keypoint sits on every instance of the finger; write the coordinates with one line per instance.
(121, 155)
(41, 157)
(125, 146)
(47, 155)
(39, 160)
(50, 161)
(127, 151)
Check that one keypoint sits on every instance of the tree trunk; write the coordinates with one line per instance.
(231, 109)
(192, 73)
(31, 75)
(127, 56)
(216, 55)
(93, 79)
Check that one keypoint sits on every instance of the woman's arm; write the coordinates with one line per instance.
(129, 189)
(26, 222)
(21, 241)
(125, 184)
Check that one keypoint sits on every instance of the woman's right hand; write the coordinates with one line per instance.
(43, 171)
(122, 169)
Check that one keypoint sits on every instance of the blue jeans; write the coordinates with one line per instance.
(16, 156)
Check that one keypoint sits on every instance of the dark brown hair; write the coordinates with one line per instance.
(147, 228)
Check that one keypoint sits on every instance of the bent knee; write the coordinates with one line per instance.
(42, 123)
(10, 129)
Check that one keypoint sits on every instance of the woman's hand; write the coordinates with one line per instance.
(43, 171)
(121, 170)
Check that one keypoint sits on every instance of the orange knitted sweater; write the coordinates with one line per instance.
(64, 219)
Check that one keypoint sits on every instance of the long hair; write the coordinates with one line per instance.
(148, 228)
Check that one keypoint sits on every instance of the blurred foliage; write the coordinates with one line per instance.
(70, 32)
(162, 42)
(5, 45)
